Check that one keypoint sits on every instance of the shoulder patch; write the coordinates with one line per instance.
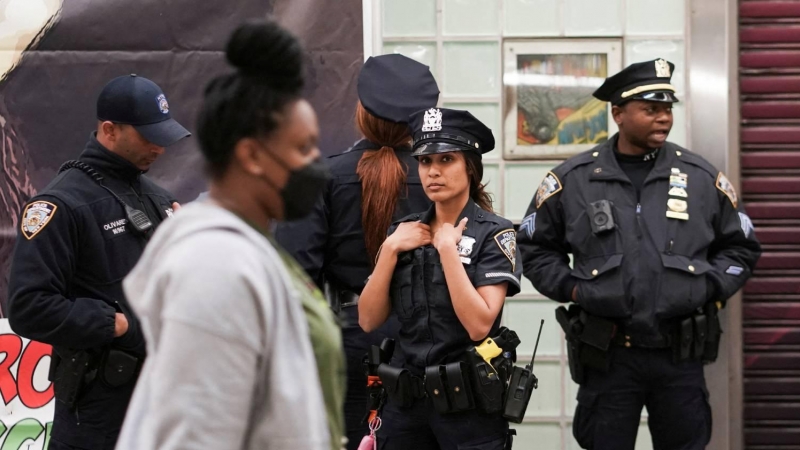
(549, 187)
(35, 217)
(507, 241)
(724, 185)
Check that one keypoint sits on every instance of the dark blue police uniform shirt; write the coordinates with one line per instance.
(430, 331)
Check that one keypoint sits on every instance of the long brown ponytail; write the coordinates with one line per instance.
(382, 176)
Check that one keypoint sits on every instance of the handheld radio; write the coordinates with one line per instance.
(522, 384)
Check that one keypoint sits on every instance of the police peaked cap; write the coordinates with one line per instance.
(648, 81)
(392, 87)
(442, 130)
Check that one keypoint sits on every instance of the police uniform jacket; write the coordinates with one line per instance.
(329, 243)
(650, 267)
(430, 331)
(65, 286)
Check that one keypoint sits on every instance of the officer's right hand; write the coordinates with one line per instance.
(408, 236)
(575, 294)
(120, 325)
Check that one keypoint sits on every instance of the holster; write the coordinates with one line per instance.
(489, 385)
(711, 350)
(74, 370)
(588, 340)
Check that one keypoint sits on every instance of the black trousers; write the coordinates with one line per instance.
(420, 427)
(675, 395)
(356, 344)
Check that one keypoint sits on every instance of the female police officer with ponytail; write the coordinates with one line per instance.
(373, 184)
(445, 273)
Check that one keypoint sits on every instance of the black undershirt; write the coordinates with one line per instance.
(636, 167)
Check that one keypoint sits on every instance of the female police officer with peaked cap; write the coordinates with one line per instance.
(373, 183)
(445, 272)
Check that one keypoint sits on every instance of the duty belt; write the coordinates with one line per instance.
(626, 339)
(338, 299)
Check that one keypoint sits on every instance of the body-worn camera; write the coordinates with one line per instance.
(601, 216)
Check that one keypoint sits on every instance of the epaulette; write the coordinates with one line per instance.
(576, 161)
(693, 159)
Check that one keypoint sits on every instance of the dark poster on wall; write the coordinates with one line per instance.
(60, 53)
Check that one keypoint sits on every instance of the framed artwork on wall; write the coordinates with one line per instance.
(550, 112)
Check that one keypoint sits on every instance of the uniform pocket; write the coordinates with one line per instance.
(682, 288)
(402, 291)
(601, 290)
(584, 423)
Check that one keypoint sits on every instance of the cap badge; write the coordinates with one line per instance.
(162, 103)
(432, 120)
(662, 68)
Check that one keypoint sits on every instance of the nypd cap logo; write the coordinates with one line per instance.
(163, 105)
(432, 120)
(35, 217)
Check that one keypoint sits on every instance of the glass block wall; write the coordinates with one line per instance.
(462, 41)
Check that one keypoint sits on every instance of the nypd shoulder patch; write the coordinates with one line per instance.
(549, 187)
(35, 217)
(507, 241)
(724, 185)
(528, 225)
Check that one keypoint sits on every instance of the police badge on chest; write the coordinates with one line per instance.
(465, 249)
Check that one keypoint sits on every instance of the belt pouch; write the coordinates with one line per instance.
(434, 386)
(458, 387)
(488, 387)
(700, 330)
(397, 382)
(118, 367)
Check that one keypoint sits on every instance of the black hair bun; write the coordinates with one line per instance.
(265, 52)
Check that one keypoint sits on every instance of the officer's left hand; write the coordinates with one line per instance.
(448, 235)
(176, 206)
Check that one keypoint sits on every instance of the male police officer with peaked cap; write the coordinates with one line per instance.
(78, 239)
(660, 241)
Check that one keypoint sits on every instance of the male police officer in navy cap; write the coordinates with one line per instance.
(78, 239)
(358, 206)
(660, 242)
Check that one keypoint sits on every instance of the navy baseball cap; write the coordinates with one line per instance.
(442, 130)
(392, 87)
(649, 81)
(137, 101)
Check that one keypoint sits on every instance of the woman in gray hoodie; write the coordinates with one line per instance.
(243, 352)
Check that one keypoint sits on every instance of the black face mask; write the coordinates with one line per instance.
(302, 189)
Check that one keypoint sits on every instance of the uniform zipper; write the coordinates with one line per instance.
(639, 220)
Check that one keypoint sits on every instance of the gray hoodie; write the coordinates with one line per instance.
(230, 364)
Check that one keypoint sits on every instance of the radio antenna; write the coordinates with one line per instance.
(530, 366)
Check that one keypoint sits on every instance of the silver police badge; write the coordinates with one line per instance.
(163, 105)
(507, 241)
(35, 217)
(465, 249)
(432, 120)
